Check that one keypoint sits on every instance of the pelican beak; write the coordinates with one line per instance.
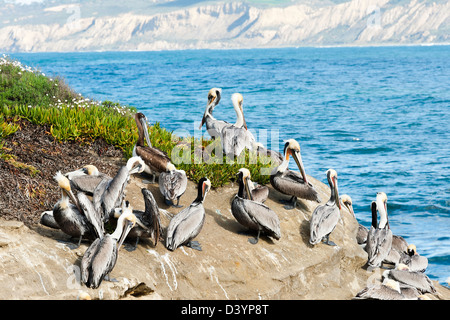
(336, 193)
(72, 197)
(247, 188)
(129, 224)
(144, 126)
(203, 121)
(298, 159)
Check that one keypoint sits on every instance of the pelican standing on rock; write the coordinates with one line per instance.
(71, 218)
(109, 193)
(172, 185)
(101, 256)
(236, 138)
(325, 217)
(156, 160)
(252, 214)
(188, 223)
(379, 238)
(361, 235)
(290, 182)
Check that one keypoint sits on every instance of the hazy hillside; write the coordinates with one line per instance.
(161, 24)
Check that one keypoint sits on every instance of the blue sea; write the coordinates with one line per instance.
(380, 116)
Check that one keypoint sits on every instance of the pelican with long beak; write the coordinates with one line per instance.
(188, 223)
(110, 193)
(156, 160)
(325, 217)
(361, 235)
(101, 256)
(291, 182)
(379, 238)
(79, 218)
(252, 214)
(213, 126)
(237, 137)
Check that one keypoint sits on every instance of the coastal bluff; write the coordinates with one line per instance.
(36, 263)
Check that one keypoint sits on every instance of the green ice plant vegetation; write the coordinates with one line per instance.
(27, 93)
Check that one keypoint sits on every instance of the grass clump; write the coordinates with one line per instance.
(27, 93)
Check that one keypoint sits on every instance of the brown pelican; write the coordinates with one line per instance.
(187, 224)
(213, 126)
(77, 219)
(325, 217)
(86, 179)
(236, 138)
(251, 214)
(361, 235)
(258, 192)
(388, 290)
(148, 222)
(101, 256)
(47, 219)
(172, 185)
(290, 182)
(406, 277)
(110, 192)
(156, 160)
(413, 260)
(379, 239)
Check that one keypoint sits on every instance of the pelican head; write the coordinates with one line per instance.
(412, 250)
(135, 165)
(125, 223)
(244, 174)
(204, 185)
(382, 209)
(213, 100)
(394, 285)
(90, 170)
(332, 180)
(141, 122)
(64, 184)
(347, 202)
(292, 147)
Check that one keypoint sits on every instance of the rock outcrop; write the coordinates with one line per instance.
(36, 263)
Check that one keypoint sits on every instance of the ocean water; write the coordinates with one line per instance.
(380, 116)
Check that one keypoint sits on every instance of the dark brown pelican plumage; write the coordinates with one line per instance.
(47, 219)
(406, 277)
(379, 239)
(361, 234)
(77, 219)
(172, 185)
(325, 217)
(290, 182)
(188, 223)
(251, 214)
(156, 160)
(101, 256)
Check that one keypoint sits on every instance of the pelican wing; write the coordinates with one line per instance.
(172, 184)
(153, 157)
(235, 140)
(185, 225)
(91, 214)
(151, 217)
(291, 183)
(102, 261)
(264, 217)
(86, 183)
(323, 221)
(417, 280)
(379, 292)
(87, 260)
(378, 246)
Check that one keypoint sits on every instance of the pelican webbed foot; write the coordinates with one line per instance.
(255, 240)
(291, 204)
(327, 241)
(194, 245)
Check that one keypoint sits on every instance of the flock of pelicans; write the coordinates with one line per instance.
(100, 199)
